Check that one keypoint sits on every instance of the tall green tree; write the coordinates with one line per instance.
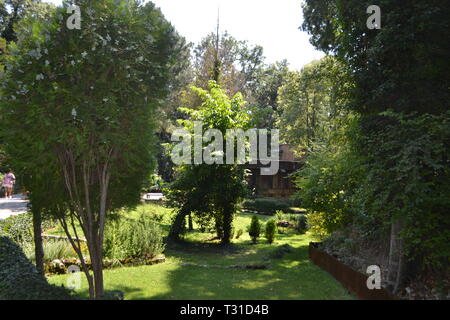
(312, 104)
(12, 11)
(263, 92)
(211, 191)
(403, 66)
(401, 77)
(80, 103)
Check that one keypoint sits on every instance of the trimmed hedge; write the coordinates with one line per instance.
(19, 279)
(265, 206)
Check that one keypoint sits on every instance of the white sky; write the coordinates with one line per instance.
(272, 24)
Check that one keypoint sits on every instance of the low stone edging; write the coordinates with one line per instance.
(61, 266)
(261, 266)
(354, 281)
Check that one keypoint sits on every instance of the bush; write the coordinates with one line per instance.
(57, 249)
(265, 206)
(53, 250)
(271, 229)
(127, 238)
(255, 229)
(19, 279)
(302, 224)
(20, 228)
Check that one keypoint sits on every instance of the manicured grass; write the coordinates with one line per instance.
(291, 277)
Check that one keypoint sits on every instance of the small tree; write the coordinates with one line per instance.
(255, 229)
(271, 230)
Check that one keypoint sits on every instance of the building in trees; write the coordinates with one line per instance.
(280, 185)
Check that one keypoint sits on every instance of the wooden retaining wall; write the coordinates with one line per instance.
(354, 281)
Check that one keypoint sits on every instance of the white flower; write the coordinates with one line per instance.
(74, 113)
(140, 59)
(72, 62)
(105, 100)
(84, 54)
(40, 76)
(13, 97)
(47, 62)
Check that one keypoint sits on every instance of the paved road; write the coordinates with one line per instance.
(12, 207)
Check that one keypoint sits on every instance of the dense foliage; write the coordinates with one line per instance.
(265, 206)
(312, 104)
(211, 192)
(254, 230)
(78, 109)
(386, 176)
(270, 230)
(140, 238)
(19, 279)
(19, 228)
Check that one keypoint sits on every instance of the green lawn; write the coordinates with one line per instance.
(291, 277)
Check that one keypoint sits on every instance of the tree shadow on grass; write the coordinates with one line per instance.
(291, 277)
(83, 293)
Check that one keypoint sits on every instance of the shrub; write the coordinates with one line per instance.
(302, 224)
(19, 279)
(265, 206)
(271, 229)
(279, 215)
(126, 238)
(19, 228)
(57, 249)
(318, 223)
(255, 229)
(239, 233)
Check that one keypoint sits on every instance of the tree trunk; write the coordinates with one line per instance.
(396, 267)
(226, 225)
(177, 226)
(38, 247)
(97, 268)
(190, 223)
(219, 227)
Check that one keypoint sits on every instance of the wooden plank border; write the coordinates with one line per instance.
(354, 281)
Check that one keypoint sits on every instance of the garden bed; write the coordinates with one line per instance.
(354, 281)
(61, 266)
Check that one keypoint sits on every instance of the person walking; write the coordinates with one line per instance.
(8, 183)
